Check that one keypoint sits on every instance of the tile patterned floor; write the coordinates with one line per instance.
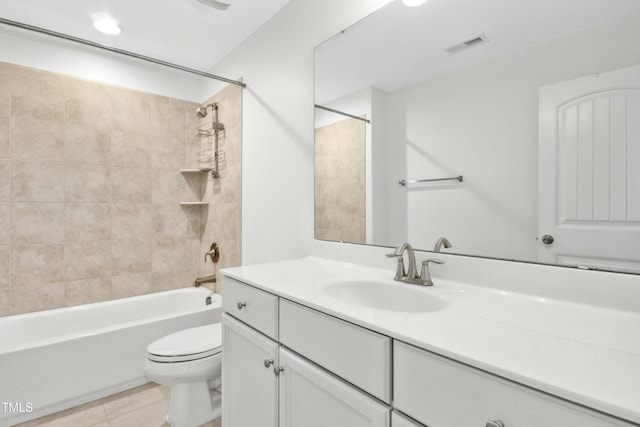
(144, 406)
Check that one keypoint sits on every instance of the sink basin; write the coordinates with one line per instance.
(385, 296)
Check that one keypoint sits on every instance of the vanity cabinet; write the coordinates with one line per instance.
(250, 388)
(266, 384)
(444, 393)
(311, 397)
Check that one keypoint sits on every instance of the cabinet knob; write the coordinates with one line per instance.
(268, 362)
(241, 305)
(277, 370)
(494, 423)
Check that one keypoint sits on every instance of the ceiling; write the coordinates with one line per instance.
(398, 46)
(184, 32)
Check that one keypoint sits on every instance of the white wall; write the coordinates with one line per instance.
(276, 62)
(23, 47)
(482, 123)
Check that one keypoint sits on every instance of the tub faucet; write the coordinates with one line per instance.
(205, 279)
(411, 275)
(440, 243)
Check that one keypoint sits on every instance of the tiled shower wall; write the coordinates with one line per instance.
(223, 223)
(90, 186)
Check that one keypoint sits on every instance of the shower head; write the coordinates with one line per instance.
(202, 110)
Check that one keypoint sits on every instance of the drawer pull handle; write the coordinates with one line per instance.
(268, 362)
(495, 423)
(277, 370)
(241, 305)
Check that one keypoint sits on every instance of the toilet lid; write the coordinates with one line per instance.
(188, 344)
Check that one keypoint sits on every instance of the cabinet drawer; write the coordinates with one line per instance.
(358, 355)
(440, 392)
(256, 308)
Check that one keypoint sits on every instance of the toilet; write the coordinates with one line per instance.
(190, 362)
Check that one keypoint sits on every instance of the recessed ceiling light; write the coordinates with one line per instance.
(413, 3)
(106, 24)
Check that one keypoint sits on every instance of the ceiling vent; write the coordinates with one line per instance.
(475, 41)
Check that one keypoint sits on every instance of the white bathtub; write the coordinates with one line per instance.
(56, 359)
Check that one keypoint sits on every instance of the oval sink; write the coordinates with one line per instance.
(383, 296)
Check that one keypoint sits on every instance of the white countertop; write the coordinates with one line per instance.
(582, 353)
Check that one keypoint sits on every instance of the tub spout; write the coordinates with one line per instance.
(205, 279)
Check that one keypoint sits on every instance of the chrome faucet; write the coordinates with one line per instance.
(442, 242)
(411, 276)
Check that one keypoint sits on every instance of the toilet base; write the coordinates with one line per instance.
(193, 404)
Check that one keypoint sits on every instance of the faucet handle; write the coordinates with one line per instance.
(425, 275)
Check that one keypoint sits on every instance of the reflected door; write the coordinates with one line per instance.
(589, 171)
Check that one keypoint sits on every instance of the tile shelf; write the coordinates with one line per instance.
(194, 203)
(194, 171)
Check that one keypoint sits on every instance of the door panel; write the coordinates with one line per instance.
(589, 171)
(249, 386)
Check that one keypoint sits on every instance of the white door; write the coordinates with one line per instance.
(589, 171)
(310, 397)
(249, 384)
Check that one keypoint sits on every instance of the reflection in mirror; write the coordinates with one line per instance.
(535, 104)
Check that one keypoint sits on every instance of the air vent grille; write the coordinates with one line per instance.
(459, 47)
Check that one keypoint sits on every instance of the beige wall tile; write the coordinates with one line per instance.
(168, 255)
(37, 264)
(37, 95)
(87, 221)
(129, 185)
(87, 146)
(167, 186)
(87, 291)
(5, 263)
(37, 181)
(169, 220)
(89, 104)
(36, 297)
(4, 303)
(33, 139)
(165, 281)
(87, 184)
(131, 220)
(37, 223)
(5, 143)
(131, 110)
(129, 285)
(168, 118)
(87, 260)
(131, 256)
(5, 180)
(94, 170)
(168, 153)
(130, 149)
(5, 93)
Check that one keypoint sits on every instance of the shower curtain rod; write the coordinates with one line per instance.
(119, 51)
(342, 113)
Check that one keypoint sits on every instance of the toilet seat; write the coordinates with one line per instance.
(187, 345)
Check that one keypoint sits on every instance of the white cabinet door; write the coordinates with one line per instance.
(399, 420)
(310, 397)
(249, 384)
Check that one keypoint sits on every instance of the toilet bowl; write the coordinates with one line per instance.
(190, 361)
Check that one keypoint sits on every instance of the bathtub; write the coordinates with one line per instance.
(56, 359)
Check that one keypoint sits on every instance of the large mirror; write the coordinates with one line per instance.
(510, 128)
